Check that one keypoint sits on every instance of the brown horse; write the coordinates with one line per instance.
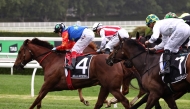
(128, 76)
(90, 49)
(109, 78)
(148, 68)
(142, 39)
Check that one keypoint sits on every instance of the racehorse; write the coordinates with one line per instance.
(183, 49)
(109, 78)
(128, 76)
(148, 68)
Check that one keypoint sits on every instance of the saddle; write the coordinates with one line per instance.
(177, 68)
(82, 66)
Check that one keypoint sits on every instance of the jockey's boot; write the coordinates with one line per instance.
(107, 51)
(166, 61)
(71, 66)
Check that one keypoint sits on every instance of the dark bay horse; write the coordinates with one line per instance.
(142, 39)
(148, 68)
(109, 78)
(128, 76)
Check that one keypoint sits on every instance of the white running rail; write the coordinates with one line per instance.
(7, 61)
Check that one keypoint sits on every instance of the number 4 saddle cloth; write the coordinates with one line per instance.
(177, 68)
(82, 67)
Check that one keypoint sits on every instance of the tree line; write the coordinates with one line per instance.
(87, 10)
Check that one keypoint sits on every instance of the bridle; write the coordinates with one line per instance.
(112, 59)
(116, 51)
(23, 63)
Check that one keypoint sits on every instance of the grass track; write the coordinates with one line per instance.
(15, 94)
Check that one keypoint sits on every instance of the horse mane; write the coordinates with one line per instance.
(46, 44)
(132, 42)
(93, 45)
(42, 43)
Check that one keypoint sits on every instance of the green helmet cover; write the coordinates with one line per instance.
(170, 15)
(151, 18)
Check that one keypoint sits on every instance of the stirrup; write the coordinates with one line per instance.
(165, 71)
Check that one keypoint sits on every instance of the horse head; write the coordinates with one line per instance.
(23, 57)
(117, 54)
(29, 52)
(124, 50)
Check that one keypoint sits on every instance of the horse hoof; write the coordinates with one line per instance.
(86, 103)
(108, 106)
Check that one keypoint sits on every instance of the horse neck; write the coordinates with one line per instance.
(41, 54)
(145, 62)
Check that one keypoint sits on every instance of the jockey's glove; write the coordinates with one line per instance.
(54, 49)
(99, 51)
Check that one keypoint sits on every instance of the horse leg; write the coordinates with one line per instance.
(39, 105)
(114, 100)
(41, 95)
(157, 105)
(43, 92)
(144, 100)
(141, 93)
(124, 90)
(179, 94)
(171, 102)
(82, 99)
(103, 94)
(107, 104)
(153, 98)
(120, 97)
(138, 104)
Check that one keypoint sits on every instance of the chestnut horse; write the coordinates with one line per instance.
(148, 68)
(109, 78)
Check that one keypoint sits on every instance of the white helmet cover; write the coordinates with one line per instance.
(95, 26)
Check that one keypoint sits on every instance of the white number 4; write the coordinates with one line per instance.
(84, 66)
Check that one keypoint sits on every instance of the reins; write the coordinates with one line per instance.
(44, 56)
(130, 59)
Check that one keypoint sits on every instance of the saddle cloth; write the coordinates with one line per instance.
(177, 68)
(82, 67)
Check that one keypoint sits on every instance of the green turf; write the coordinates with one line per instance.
(15, 93)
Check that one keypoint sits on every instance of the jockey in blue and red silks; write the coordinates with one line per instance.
(75, 38)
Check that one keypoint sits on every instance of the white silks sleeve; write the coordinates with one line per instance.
(103, 39)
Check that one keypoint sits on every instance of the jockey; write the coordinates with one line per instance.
(186, 18)
(174, 33)
(173, 15)
(74, 38)
(170, 15)
(109, 33)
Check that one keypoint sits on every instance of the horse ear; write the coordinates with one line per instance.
(26, 42)
(137, 35)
